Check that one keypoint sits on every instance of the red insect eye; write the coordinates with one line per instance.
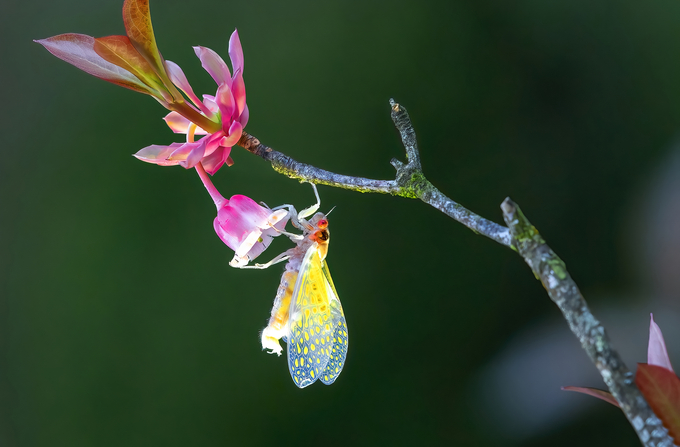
(322, 224)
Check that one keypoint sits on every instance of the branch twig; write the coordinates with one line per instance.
(410, 182)
(552, 272)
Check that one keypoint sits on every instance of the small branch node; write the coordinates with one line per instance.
(508, 207)
(397, 164)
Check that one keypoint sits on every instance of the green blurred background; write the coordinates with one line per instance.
(121, 323)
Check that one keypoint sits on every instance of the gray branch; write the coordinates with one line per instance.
(552, 272)
(410, 182)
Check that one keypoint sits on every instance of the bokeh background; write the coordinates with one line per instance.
(122, 324)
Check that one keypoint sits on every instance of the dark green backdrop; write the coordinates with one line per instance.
(121, 323)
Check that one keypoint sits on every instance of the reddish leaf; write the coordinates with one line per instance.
(78, 50)
(119, 51)
(600, 394)
(661, 388)
(137, 19)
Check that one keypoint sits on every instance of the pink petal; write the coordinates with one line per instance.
(231, 240)
(239, 92)
(235, 132)
(180, 80)
(230, 161)
(238, 219)
(236, 52)
(158, 154)
(183, 151)
(78, 50)
(246, 227)
(656, 351)
(213, 142)
(210, 102)
(243, 119)
(195, 155)
(179, 124)
(213, 162)
(226, 103)
(214, 64)
(250, 209)
(254, 248)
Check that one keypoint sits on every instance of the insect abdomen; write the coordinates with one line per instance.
(278, 322)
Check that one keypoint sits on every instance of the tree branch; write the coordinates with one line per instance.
(410, 182)
(552, 272)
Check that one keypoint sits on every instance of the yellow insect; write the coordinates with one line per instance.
(307, 312)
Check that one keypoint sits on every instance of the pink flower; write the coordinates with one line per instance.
(246, 227)
(133, 61)
(228, 105)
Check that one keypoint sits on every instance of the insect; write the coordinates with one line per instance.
(307, 312)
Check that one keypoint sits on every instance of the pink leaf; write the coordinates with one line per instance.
(600, 394)
(656, 351)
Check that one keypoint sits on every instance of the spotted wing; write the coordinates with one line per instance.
(310, 346)
(339, 328)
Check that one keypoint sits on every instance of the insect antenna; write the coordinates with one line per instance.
(330, 211)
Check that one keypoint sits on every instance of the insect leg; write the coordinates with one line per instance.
(291, 208)
(292, 236)
(305, 213)
(292, 212)
(281, 217)
(280, 258)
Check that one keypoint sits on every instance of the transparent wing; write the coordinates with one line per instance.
(311, 345)
(339, 327)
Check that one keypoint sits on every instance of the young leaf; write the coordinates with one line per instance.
(119, 51)
(137, 19)
(661, 388)
(78, 50)
(600, 394)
